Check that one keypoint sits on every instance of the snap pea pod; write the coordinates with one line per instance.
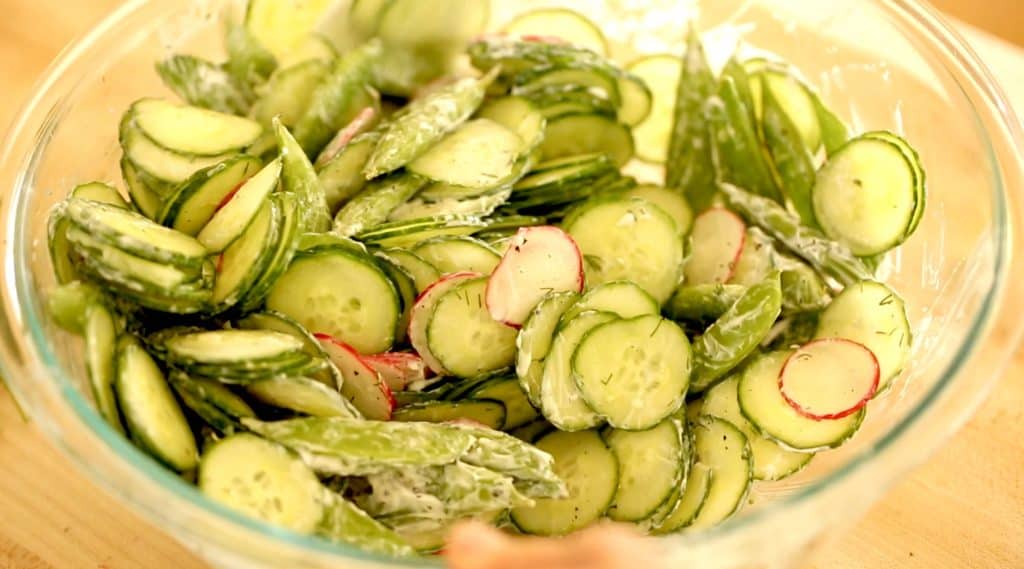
(737, 151)
(417, 127)
(248, 61)
(532, 469)
(374, 203)
(203, 84)
(793, 160)
(689, 166)
(517, 57)
(299, 178)
(440, 493)
(735, 70)
(338, 98)
(736, 334)
(212, 402)
(802, 289)
(826, 256)
(353, 447)
(344, 522)
(702, 302)
(834, 132)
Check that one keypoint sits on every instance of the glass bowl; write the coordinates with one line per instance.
(882, 64)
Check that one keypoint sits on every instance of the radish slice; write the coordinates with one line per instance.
(224, 201)
(423, 309)
(829, 378)
(398, 369)
(363, 122)
(539, 260)
(716, 243)
(363, 386)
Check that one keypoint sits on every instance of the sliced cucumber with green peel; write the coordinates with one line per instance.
(625, 239)
(410, 232)
(242, 264)
(99, 192)
(770, 460)
(866, 196)
(567, 25)
(534, 341)
(479, 154)
(282, 26)
(457, 254)
(144, 198)
(463, 336)
(519, 116)
(560, 398)
(518, 410)
(151, 413)
(364, 313)
(422, 272)
(651, 468)
(164, 165)
(670, 201)
(231, 220)
(571, 135)
(100, 330)
(724, 449)
(633, 372)
(622, 298)
(288, 92)
(302, 395)
(342, 177)
(764, 406)
(690, 500)
(589, 469)
(197, 199)
(262, 480)
(661, 74)
(872, 314)
(193, 130)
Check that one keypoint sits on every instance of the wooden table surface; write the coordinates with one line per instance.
(963, 509)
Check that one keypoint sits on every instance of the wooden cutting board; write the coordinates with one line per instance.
(963, 509)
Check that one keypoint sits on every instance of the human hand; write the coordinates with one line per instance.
(474, 545)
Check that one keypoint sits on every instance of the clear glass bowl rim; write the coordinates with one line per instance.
(936, 33)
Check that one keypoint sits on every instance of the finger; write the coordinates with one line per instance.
(474, 545)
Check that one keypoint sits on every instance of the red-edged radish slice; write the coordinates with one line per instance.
(535, 38)
(538, 260)
(363, 386)
(716, 245)
(363, 122)
(227, 197)
(398, 369)
(422, 311)
(830, 378)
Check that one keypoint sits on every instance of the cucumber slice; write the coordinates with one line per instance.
(670, 201)
(571, 135)
(249, 63)
(423, 273)
(462, 335)
(518, 410)
(281, 26)
(100, 333)
(479, 206)
(598, 77)
(262, 480)
(415, 23)
(288, 92)
(633, 372)
(193, 130)
(559, 100)
(458, 254)
(479, 154)
(276, 322)
(214, 403)
(637, 99)
(196, 201)
(158, 162)
(230, 346)
(561, 401)
(151, 413)
(147, 201)
(113, 264)
(717, 245)
(231, 220)
(627, 239)
(568, 25)
(519, 116)
(363, 313)
(651, 468)
(770, 460)
(535, 338)
(135, 234)
(242, 264)
(661, 74)
(406, 294)
(531, 432)
(690, 502)
(303, 395)
(795, 99)
(873, 315)
(422, 313)
(283, 254)
(919, 174)
(724, 449)
(622, 298)
(99, 192)
(590, 471)
(488, 413)
(763, 405)
(866, 196)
